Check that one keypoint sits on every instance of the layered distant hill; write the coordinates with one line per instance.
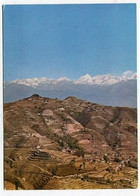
(69, 144)
(102, 89)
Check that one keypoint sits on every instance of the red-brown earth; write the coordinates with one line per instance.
(69, 144)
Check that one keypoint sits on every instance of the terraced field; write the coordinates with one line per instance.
(69, 144)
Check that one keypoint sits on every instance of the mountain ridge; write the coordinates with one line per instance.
(120, 94)
(106, 79)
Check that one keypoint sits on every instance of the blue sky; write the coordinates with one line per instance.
(68, 40)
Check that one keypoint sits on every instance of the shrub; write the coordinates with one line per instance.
(35, 95)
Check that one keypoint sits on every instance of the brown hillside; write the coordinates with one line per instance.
(69, 144)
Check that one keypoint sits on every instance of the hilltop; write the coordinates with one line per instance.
(69, 144)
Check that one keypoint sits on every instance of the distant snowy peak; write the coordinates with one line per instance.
(107, 79)
(97, 80)
(61, 79)
(128, 75)
(34, 82)
(86, 79)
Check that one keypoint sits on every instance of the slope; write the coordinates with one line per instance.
(71, 143)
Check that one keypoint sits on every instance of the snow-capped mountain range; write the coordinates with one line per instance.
(104, 89)
(107, 79)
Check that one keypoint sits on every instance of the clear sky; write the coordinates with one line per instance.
(68, 40)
